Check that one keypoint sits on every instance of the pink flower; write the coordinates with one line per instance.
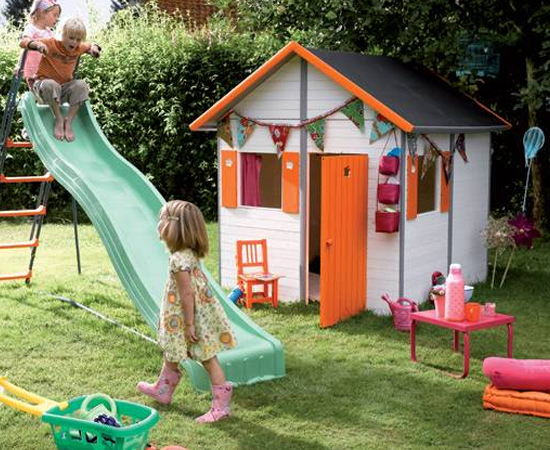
(525, 231)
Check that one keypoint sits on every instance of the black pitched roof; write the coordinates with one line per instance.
(422, 98)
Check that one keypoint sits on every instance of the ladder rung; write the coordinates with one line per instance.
(11, 144)
(10, 245)
(40, 211)
(16, 276)
(48, 177)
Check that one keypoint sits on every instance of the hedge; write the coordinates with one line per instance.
(153, 79)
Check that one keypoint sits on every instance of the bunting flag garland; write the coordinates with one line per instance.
(380, 128)
(279, 134)
(354, 111)
(245, 128)
(412, 145)
(460, 145)
(317, 132)
(447, 160)
(224, 130)
(430, 156)
(433, 152)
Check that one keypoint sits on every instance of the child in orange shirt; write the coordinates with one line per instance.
(54, 79)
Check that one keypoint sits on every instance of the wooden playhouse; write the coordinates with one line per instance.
(301, 143)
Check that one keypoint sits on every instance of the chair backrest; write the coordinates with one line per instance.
(252, 256)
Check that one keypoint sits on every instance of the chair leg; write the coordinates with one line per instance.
(248, 303)
(275, 292)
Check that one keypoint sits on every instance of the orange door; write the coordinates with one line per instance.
(344, 183)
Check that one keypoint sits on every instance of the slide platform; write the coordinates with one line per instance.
(123, 207)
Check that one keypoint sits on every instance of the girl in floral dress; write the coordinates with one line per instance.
(192, 322)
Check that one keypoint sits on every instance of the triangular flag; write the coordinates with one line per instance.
(380, 127)
(224, 130)
(412, 144)
(279, 134)
(460, 145)
(317, 132)
(447, 161)
(354, 112)
(245, 128)
(429, 158)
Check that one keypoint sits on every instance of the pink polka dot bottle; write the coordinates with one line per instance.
(454, 294)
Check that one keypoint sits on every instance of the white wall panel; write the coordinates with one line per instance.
(471, 207)
(282, 232)
(426, 239)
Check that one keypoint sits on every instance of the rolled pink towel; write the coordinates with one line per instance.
(518, 374)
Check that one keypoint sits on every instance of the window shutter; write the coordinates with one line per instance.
(412, 189)
(229, 178)
(445, 189)
(291, 182)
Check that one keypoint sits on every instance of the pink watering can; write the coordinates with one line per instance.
(401, 311)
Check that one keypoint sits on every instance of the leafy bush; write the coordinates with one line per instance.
(153, 79)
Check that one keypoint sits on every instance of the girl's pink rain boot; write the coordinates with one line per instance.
(163, 389)
(221, 398)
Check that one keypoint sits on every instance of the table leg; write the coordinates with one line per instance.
(456, 341)
(413, 340)
(466, 369)
(510, 339)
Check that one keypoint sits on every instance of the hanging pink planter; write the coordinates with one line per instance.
(386, 222)
(389, 165)
(388, 193)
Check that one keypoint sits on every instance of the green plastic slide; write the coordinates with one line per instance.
(123, 206)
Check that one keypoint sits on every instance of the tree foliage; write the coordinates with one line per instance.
(16, 11)
(152, 80)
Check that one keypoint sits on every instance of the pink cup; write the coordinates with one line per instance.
(489, 309)
(439, 302)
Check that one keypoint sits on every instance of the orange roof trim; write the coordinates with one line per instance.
(222, 105)
(478, 103)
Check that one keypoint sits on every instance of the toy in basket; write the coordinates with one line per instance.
(401, 310)
(74, 424)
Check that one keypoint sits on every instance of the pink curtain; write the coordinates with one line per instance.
(251, 164)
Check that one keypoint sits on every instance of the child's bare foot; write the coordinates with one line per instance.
(69, 134)
(58, 130)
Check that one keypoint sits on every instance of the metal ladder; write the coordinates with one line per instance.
(37, 214)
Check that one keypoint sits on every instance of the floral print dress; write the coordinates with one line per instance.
(212, 326)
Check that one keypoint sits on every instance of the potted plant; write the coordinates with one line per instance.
(505, 234)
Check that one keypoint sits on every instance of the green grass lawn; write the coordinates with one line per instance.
(349, 387)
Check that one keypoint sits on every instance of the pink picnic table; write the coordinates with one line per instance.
(462, 327)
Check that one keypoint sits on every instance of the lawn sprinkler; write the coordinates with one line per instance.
(88, 422)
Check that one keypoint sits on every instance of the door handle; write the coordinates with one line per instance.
(328, 242)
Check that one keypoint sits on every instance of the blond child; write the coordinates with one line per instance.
(43, 16)
(192, 322)
(54, 83)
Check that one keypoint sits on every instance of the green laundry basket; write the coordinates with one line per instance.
(71, 433)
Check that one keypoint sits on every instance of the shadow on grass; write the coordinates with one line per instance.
(286, 309)
(251, 435)
(371, 399)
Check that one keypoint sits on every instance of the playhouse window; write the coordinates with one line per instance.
(260, 180)
(426, 187)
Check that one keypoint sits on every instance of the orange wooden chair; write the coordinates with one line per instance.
(253, 276)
